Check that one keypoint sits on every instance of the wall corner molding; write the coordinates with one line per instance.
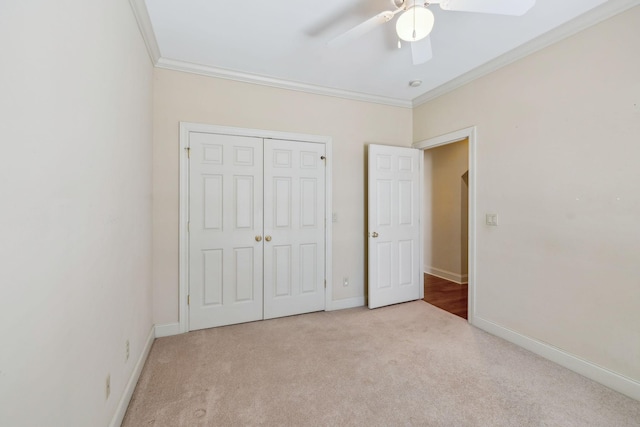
(146, 29)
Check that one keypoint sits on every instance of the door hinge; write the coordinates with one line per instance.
(188, 152)
(188, 299)
(188, 226)
(325, 283)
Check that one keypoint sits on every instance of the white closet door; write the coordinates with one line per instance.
(294, 222)
(395, 273)
(225, 256)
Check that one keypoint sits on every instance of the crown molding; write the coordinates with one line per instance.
(222, 73)
(146, 29)
(607, 10)
(588, 19)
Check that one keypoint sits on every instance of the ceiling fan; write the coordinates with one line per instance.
(416, 21)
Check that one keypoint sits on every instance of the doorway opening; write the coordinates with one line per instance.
(448, 218)
(445, 218)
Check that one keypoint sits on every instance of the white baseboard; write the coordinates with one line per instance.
(460, 279)
(167, 330)
(123, 404)
(617, 382)
(341, 304)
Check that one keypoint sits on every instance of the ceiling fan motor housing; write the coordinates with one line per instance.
(416, 22)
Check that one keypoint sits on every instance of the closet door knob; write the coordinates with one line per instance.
(267, 238)
(258, 238)
(374, 235)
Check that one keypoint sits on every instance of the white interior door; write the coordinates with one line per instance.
(225, 229)
(394, 225)
(294, 228)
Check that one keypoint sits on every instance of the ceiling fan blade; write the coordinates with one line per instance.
(499, 7)
(421, 51)
(363, 28)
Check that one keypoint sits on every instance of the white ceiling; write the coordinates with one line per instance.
(283, 43)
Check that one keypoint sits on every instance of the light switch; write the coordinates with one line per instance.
(492, 219)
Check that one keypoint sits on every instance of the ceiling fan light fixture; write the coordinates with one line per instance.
(415, 24)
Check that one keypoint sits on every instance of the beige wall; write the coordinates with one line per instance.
(444, 251)
(352, 124)
(557, 159)
(75, 185)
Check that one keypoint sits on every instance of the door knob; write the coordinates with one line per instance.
(374, 234)
(267, 238)
(258, 238)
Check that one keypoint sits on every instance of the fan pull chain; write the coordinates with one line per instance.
(414, 22)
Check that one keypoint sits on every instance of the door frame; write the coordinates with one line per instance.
(185, 129)
(450, 138)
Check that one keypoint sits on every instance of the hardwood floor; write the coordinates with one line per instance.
(446, 295)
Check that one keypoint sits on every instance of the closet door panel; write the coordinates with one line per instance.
(257, 228)
(294, 216)
(225, 208)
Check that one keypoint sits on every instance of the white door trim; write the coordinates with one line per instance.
(185, 128)
(450, 138)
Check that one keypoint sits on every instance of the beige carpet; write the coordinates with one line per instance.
(405, 365)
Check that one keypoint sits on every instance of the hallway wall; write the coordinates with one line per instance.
(445, 255)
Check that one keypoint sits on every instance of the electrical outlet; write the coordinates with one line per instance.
(107, 387)
(127, 350)
(345, 281)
